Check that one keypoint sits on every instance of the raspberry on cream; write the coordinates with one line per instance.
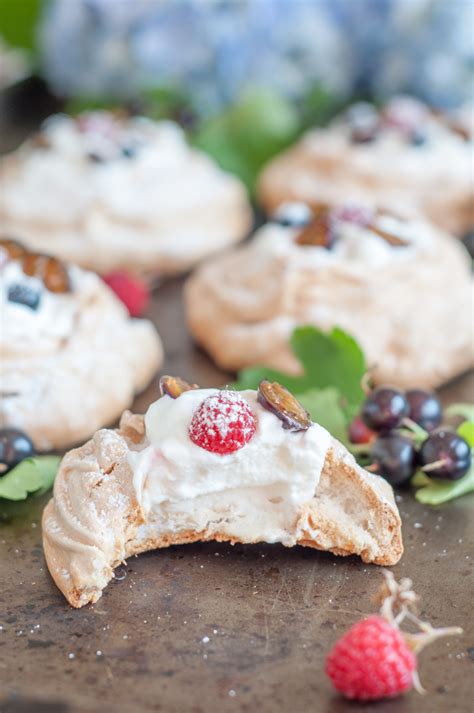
(148, 485)
(254, 493)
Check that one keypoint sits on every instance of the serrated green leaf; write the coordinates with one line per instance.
(437, 492)
(245, 136)
(466, 431)
(29, 476)
(329, 360)
(464, 410)
(325, 408)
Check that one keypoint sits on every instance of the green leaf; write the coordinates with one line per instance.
(18, 22)
(464, 410)
(466, 431)
(319, 106)
(29, 476)
(325, 408)
(245, 136)
(441, 491)
(331, 359)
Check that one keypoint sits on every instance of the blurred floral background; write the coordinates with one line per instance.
(222, 67)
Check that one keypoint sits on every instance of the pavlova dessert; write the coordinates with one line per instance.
(209, 464)
(110, 192)
(71, 359)
(403, 157)
(402, 288)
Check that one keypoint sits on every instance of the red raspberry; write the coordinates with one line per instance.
(130, 290)
(371, 661)
(359, 432)
(223, 423)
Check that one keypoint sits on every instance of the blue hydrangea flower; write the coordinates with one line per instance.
(217, 49)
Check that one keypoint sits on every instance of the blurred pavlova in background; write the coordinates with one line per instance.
(223, 67)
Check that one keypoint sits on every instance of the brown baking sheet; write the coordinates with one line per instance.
(209, 627)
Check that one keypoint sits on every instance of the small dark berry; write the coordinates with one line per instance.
(418, 138)
(24, 295)
(447, 452)
(384, 409)
(128, 151)
(15, 446)
(424, 409)
(394, 458)
(95, 157)
(293, 215)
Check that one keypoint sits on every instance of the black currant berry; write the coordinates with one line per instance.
(24, 295)
(384, 409)
(424, 409)
(448, 454)
(394, 458)
(293, 215)
(15, 446)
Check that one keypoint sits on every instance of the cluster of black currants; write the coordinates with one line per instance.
(15, 446)
(395, 449)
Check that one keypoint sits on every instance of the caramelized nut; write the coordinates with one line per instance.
(277, 399)
(56, 276)
(13, 248)
(174, 386)
(318, 233)
(389, 237)
(50, 270)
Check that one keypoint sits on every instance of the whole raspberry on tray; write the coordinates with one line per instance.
(223, 423)
(375, 659)
(130, 290)
(371, 661)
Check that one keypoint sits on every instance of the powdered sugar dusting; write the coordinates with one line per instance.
(223, 423)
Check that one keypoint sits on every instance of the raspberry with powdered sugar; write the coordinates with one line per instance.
(223, 423)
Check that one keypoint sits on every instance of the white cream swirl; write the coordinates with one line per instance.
(254, 494)
(400, 302)
(120, 194)
(42, 329)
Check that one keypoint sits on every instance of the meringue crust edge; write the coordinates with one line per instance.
(352, 512)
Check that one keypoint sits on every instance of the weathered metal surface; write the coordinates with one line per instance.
(211, 628)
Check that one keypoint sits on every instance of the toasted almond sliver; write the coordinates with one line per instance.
(389, 237)
(317, 233)
(174, 386)
(277, 399)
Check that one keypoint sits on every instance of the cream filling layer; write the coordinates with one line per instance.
(254, 494)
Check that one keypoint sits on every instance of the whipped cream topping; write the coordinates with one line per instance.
(40, 330)
(356, 247)
(135, 169)
(254, 494)
(390, 157)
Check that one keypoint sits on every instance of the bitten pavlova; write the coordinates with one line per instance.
(209, 464)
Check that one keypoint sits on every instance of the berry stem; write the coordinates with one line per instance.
(435, 464)
(415, 430)
(366, 383)
(428, 634)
